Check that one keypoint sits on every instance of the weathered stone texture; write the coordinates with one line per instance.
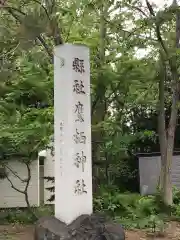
(83, 228)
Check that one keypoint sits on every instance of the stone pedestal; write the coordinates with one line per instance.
(84, 227)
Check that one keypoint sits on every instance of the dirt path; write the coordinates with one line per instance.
(172, 232)
(16, 232)
(26, 233)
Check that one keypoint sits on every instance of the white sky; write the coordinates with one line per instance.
(161, 3)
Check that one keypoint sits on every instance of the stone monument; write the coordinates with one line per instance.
(74, 218)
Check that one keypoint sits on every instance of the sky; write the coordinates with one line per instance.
(161, 3)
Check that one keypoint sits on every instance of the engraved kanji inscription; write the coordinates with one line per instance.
(78, 87)
(78, 65)
(61, 126)
(61, 129)
(79, 110)
(80, 187)
(80, 160)
(79, 137)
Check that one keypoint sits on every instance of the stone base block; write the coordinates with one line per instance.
(85, 227)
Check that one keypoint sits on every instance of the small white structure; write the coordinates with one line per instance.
(48, 171)
(9, 197)
(150, 168)
(37, 190)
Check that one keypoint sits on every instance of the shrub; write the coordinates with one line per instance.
(131, 210)
(176, 196)
(153, 222)
(23, 216)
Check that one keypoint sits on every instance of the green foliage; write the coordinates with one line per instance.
(131, 210)
(124, 89)
(119, 82)
(176, 196)
(175, 210)
(22, 216)
(25, 124)
(123, 204)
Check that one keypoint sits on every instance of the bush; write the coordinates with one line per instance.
(153, 222)
(131, 210)
(125, 204)
(175, 210)
(23, 216)
(176, 196)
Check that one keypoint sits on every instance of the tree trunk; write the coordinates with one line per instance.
(100, 107)
(167, 193)
(167, 142)
(167, 182)
(161, 121)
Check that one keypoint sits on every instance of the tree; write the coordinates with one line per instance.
(26, 117)
(169, 59)
(168, 78)
(123, 85)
